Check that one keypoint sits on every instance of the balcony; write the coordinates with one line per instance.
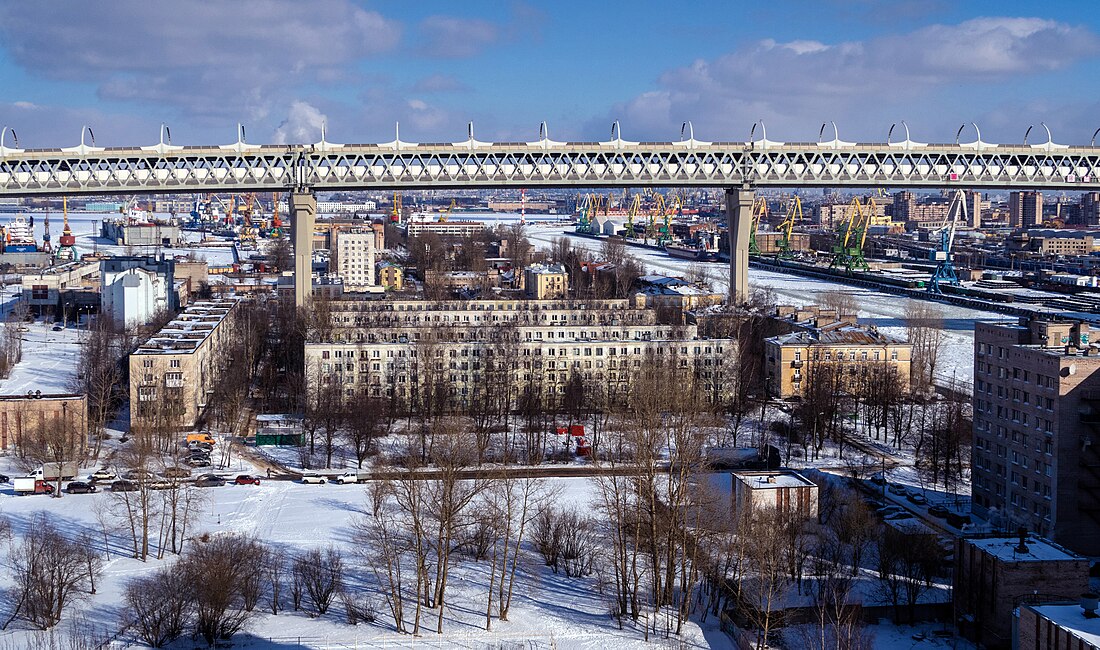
(173, 383)
(797, 363)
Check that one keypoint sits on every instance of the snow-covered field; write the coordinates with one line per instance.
(548, 611)
(49, 360)
(886, 311)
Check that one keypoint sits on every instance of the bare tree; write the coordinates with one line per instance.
(770, 579)
(321, 575)
(49, 571)
(157, 606)
(924, 323)
(214, 572)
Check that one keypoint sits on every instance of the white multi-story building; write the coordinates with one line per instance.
(355, 259)
(330, 207)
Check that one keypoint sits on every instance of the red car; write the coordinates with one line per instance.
(247, 479)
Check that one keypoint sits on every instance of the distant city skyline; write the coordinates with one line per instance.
(283, 67)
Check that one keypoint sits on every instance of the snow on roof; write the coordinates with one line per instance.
(1038, 549)
(186, 332)
(772, 480)
(1071, 618)
(839, 334)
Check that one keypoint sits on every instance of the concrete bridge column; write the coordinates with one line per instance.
(739, 219)
(303, 214)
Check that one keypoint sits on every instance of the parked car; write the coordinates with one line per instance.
(917, 498)
(938, 511)
(314, 478)
(103, 474)
(898, 516)
(124, 485)
(957, 520)
(4, 478)
(80, 487)
(246, 479)
(899, 489)
(889, 510)
(352, 476)
(31, 485)
(198, 462)
(177, 472)
(138, 475)
(878, 479)
(162, 484)
(57, 328)
(209, 480)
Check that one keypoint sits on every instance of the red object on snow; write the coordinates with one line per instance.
(582, 447)
(576, 430)
(562, 431)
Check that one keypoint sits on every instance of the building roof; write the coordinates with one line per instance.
(1038, 549)
(540, 269)
(187, 331)
(1071, 618)
(839, 334)
(770, 480)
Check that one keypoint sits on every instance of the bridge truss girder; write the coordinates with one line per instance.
(271, 168)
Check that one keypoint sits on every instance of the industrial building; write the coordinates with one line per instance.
(20, 414)
(783, 489)
(63, 288)
(136, 288)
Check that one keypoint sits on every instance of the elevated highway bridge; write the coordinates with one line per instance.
(739, 167)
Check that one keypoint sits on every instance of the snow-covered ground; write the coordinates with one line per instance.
(549, 610)
(884, 310)
(49, 360)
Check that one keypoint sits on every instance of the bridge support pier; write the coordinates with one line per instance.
(302, 205)
(739, 220)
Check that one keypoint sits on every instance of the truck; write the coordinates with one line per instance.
(31, 485)
(49, 471)
(352, 476)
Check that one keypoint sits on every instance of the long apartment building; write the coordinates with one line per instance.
(181, 363)
(1036, 455)
(398, 349)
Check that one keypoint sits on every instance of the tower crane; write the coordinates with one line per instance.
(850, 252)
(942, 254)
(794, 215)
(395, 217)
(584, 216)
(276, 224)
(759, 213)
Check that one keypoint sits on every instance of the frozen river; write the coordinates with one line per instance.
(887, 311)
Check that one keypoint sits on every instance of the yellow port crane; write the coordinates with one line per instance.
(759, 213)
(631, 213)
(794, 215)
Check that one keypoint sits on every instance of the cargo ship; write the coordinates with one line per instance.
(696, 252)
(19, 237)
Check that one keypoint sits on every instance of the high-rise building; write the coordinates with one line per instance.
(1036, 454)
(1025, 209)
(355, 259)
(1089, 215)
(974, 209)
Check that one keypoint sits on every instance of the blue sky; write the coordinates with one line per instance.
(282, 67)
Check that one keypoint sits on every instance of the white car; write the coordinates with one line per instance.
(314, 478)
(103, 474)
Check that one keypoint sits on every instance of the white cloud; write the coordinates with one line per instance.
(863, 85)
(225, 60)
(302, 125)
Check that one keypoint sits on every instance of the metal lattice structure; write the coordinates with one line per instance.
(245, 167)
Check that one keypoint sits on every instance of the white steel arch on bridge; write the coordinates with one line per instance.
(324, 166)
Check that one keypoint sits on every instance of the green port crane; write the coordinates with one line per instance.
(759, 213)
(794, 215)
(849, 253)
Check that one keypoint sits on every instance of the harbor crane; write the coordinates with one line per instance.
(585, 216)
(794, 215)
(759, 213)
(632, 211)
(849, 253)
(942, 254)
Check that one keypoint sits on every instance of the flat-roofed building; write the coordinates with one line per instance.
(546, 281)
(994, 575)
(172, 373)
(355, 259)
(783, 489)
(1058, 626)
(21, 414)
(1036, 459)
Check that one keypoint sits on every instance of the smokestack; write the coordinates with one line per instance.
(1022, 532)
(1089, 602)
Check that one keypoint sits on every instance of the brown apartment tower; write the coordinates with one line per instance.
(1036, 455)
